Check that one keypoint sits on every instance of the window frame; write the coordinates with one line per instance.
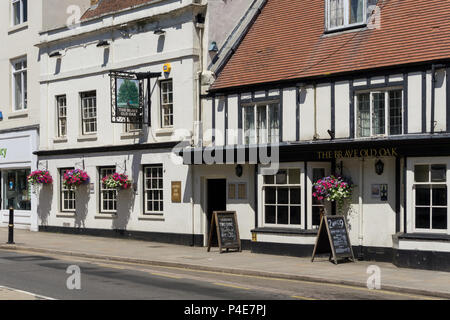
(58, 115)
(145, 189)
(256, 106)
(162, 104)
(102, 189)
(430, 183)
(23, 18)
(23, 72)
(62, 190)
(262, 186)
(387, 111)
(347, 24)
(84, 96)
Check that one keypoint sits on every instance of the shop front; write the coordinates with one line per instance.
(397, 212)
(16, 163)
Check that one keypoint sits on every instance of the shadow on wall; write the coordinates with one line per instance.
(45, 204)
(125, 206)
(81, 204)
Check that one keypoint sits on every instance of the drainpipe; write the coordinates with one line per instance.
(361, 206)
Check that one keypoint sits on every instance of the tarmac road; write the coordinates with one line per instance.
(45, 276)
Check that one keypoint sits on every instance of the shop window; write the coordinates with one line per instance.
(19, 11)
(17, 193)
(67, 196)
(89, 112)
(430, 195)
(282, 197)
(108, 196)
(345, 13)
(61, 112)
(153, 189)
(379, 113)
(166, 88)
(20, 94)
(261, 123)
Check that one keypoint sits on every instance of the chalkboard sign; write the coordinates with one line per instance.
(333, 238)
(226, 226)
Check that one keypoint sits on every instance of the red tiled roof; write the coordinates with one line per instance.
(108, 6)
(287, 41)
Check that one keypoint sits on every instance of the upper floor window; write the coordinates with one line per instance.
(61, 112)
(261, 123)
(345, 13)
(379, 113)
(89, 112)
(166, 88)
(19, 74)
(19, 11)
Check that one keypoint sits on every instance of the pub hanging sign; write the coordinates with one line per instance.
(127, 96)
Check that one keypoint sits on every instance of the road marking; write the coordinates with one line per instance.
(165, 275)
(38, 296)
(303, 298)
(87, 259)
(230, 285)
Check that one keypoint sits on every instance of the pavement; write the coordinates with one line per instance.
(413, 281)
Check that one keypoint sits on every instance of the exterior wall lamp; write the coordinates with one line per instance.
(213, 47)
(239, 170)
(379, 167)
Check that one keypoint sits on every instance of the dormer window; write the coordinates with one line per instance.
(342, 14)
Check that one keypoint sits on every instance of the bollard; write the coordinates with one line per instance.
(11, 226)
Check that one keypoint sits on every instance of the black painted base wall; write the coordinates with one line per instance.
(427, 260)
(173, 238)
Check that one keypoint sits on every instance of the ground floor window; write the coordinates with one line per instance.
(430, 197)
(108, 196)
(153, 189)
(16, 191)
(67, 195)
(282, 197)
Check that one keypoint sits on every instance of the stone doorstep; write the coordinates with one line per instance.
(393, 288)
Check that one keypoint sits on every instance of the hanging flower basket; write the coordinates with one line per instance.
(333, 188)
(75, 178)
(39, 177)
(117, 181)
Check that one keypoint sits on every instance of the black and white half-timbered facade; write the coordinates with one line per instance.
(313, 90)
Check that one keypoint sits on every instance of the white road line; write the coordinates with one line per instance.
(28, 293)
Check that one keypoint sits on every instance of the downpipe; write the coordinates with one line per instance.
(361, 209)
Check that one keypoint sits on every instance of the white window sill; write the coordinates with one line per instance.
(151, 217)
(65, 215)
(18, 114)
(18, 27)
(59, 139)
(105, 216)
(87, 137)
(131, 135)
(164, 132)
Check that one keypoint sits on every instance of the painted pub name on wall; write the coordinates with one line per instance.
(358, 153)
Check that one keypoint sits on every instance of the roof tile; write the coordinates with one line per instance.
(287, 42)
